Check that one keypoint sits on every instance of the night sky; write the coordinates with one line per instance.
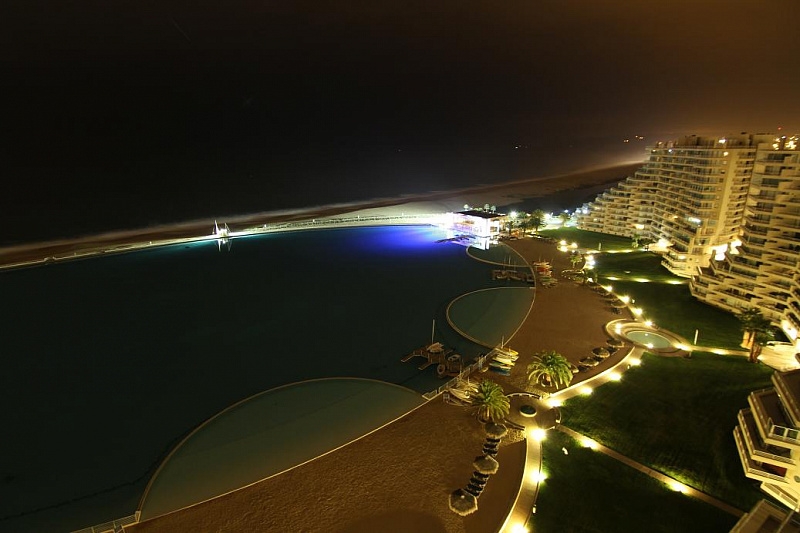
(122, 114)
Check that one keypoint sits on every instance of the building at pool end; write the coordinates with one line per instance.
(479, 228)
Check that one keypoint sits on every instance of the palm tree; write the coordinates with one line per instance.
(575, 258)
(490, 401)
(537, 219)
(550, 367)
(760, 340)
(757, 331)
(565, 217)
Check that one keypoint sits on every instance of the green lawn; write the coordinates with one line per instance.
(664, 297)
(638, 265)
(673, 308)
(589, 492)
(677, 416)
(670, 305)
(588, 239)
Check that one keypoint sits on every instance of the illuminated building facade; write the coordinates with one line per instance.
(768, 440)
(762, 271)
(723, 211)
(688, 198)
(476, 228)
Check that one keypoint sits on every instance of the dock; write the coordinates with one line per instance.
(447, 362)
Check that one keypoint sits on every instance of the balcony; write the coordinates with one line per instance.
(756, 448)
(786, 384)
(754, 470)
(765, 517)
(772, 425)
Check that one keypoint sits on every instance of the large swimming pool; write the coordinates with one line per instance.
(110, 362)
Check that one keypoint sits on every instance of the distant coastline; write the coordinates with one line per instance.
(505, 194)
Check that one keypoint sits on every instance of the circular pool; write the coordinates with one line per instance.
(648, 338)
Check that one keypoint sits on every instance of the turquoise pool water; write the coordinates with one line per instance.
(269, 433)
(646, 338)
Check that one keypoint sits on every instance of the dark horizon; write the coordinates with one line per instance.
(132, 114)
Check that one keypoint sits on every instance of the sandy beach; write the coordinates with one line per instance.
(398, 478)
(505, 194)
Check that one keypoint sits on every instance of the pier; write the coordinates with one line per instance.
(447, 362)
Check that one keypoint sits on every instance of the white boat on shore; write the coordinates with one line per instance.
(461, 394)
(501, 365)
(505, 361)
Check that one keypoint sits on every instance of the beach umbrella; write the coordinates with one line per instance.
(463, 503)
(486, 464)
(615, 343)
(600, 352)
(479, 479)
(496, 431)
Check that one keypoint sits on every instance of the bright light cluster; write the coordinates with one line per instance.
(538, 476)
(586, 442)
(677, 486)
(538, 434)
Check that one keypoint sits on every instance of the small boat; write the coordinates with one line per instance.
(468, 386)
(501, 371)
(511, 356)
(460, 394)
(436, 347)
(501, 359)
(499, 364)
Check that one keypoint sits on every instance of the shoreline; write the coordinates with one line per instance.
(508, 193)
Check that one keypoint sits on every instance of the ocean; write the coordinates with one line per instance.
(46, 200)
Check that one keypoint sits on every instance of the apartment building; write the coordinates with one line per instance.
(724, 212)
(762, 271)
(689, 198)
(768, 440)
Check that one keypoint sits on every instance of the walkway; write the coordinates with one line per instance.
(529, 487)
(671, 482)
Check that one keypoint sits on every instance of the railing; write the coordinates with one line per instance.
(114, 526)
(751, 447)
(789, 435)
(342, 221)
(748, 464)
(465, 372)
(786, 396)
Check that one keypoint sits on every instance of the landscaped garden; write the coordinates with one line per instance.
(664, 297)
(677, 416)
(588, 239)
(589, 492)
